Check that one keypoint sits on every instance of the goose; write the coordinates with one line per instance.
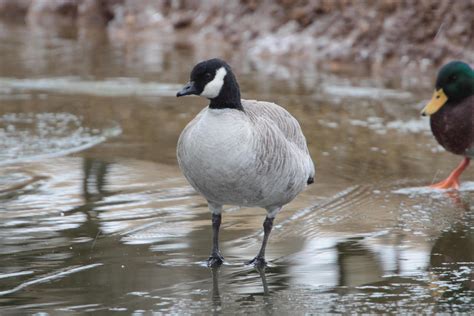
(451, 111)
(241, 152)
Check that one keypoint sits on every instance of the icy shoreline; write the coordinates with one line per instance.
(382, 34)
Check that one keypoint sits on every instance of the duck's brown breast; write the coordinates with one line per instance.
(453, 126)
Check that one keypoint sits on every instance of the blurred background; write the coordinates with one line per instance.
(95, 215)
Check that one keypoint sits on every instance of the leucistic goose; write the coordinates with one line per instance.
(452, 116)
(241, 152)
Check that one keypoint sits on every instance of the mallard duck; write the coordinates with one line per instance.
(452, 116)
(241, 152)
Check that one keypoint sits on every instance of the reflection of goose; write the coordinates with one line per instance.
(216, 296)
(241, 152)
(249, 284)
(94, 180)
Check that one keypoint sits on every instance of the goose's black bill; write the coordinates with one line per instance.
(188, 89)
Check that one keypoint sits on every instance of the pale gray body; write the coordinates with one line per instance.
(256, 157)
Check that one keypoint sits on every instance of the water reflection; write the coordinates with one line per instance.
(94, 181)
(357, 264)
(216, 297)
(252, 283)
(452, 263)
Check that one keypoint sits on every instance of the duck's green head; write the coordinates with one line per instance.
(455, 82)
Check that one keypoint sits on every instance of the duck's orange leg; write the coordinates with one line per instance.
(453, 180)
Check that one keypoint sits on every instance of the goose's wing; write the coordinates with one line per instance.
(277, 115)
(274, 117)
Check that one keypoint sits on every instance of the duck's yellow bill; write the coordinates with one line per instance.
(438, 99)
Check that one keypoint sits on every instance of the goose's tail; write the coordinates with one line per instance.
(312, 172)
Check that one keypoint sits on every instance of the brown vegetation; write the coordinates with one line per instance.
(378, 32)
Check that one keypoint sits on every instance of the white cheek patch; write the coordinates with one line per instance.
(213, 88)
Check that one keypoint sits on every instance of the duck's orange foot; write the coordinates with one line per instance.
(446, 184)
(452, 182)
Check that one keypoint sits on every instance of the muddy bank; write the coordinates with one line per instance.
(413, 34)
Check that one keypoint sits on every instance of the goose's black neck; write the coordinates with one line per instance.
(217, 103)
(229, 96)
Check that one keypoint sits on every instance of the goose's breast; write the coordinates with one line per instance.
(216, 156)
(223, 151)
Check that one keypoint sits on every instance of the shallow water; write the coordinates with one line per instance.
(96, 217)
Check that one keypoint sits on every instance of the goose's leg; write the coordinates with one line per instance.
(216, 259)
(259, 260)
(452, 181)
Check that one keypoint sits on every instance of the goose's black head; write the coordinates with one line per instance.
(213, 79)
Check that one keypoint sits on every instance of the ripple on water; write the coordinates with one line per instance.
(467, 186)
(33, 136)
(75, 85)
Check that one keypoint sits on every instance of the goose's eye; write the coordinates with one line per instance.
(207, 75)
